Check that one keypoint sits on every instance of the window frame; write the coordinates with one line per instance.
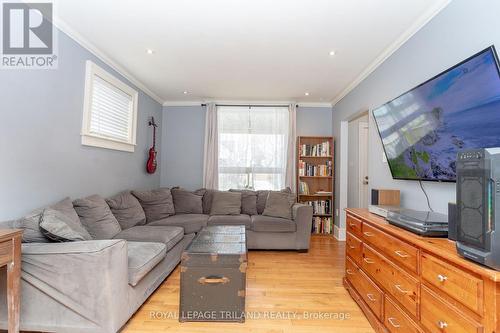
(95, 140)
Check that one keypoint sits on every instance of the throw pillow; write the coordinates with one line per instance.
(96, 217)
(127, 210)
(157, 204)
(226, 203)
(31, 223)
(208, 196)
(187, 202)
(58, 227)
(248, 201)
(279, 204)
(262, 198)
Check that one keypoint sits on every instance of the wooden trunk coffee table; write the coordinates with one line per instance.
(213, 276)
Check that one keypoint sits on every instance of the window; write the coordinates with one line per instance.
(110, 111)
(252, 147)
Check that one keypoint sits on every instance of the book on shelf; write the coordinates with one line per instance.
(320, 149)
(303, 188)
(322, 225)
(323, 207)
(309, 169)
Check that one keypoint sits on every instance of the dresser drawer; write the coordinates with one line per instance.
(439, 317)
(402, 286)
(354, 225)
(351, 271)
(460, 285)
(369, 291)
(396, 320)
(398, 250)
(354, 248)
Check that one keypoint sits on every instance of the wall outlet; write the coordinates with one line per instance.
(337, 212)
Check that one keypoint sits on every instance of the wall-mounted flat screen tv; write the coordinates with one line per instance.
(423, 129)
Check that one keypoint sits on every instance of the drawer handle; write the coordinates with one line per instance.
(442, 324)
(213, 280)
(352, 225)
(393, 322)
(368, 234)
(401, 290)
(348, 271)
(352, 247)
(368, 260)
(371, 298)
(442, 278)
(402, 254)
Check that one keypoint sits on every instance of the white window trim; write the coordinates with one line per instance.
(92, 139)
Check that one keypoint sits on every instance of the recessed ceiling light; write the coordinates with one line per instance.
(332, 53)
(306, 93)
(185, 92)
(149, 51)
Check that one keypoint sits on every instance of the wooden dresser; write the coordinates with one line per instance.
(407, 283)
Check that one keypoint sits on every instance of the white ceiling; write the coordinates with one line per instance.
(252, 50)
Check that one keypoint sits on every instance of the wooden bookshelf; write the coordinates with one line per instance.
(317, 178)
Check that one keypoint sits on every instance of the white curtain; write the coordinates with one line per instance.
(290, 177)
(211, 149)
(253, 147)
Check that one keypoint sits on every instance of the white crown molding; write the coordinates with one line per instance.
(65, 28)
(229, 102)
(412, 30)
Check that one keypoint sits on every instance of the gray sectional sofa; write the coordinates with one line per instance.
(130, 244)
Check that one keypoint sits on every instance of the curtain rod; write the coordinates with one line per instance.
(250, 105)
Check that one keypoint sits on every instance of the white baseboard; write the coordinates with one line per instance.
(339, 233)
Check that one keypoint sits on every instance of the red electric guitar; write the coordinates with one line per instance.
(151, 164)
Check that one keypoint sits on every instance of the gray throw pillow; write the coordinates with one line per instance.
(96, 217)
(187, 202)
(226, 203)
(248, 201)
(157, 204)
(30, 224)
(127, 210)
(208, 196)
(279, 204)
(58, 227)
(262, 198)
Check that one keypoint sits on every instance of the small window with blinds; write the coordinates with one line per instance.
(110, 111)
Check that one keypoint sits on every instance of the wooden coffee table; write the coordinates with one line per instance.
(213, 276)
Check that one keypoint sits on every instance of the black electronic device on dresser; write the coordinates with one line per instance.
(478, 197)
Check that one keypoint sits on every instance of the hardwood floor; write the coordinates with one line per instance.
(277, 283)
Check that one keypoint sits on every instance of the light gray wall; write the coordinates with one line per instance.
(183, 139)
(41, 157)
(460, 30)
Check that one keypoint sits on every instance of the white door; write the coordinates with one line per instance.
(363, 165)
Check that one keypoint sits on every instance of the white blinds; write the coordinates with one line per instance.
(111, 111)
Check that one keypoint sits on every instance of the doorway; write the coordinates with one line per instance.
(357, 173)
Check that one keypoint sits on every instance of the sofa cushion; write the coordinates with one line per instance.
(142, 258)
(208, 196)
(226, 203)
(169, 236)
(262, 198)
(157, 204)
(261, 223)
(127, 209)
(190, 222)
(58, 227)
(242, 219)
(96, 217)
(30, 224)
(187, 202)
(279, 204)
(248, 201)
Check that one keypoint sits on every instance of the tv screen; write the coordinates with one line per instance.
(423, 129)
